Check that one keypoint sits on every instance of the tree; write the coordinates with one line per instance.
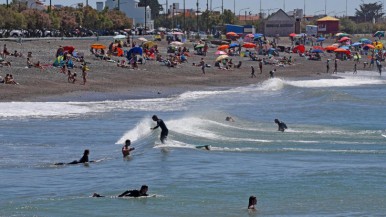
(368, 12)
(154, 6)
(229, 17)
(347, 25)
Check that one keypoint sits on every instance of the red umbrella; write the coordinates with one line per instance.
(249, 45)
(330, 48)
(318, 48)
(292, 35)
(223, 47)
(344, 39)
(70, 49)
(341, 50)
(299, 49)
(231, 34)
(369, 46)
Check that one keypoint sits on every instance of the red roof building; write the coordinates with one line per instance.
(328, 25)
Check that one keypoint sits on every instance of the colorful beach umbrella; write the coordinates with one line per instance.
(370, 46)
(176, 43)
(343, 39)
(232, 34)
(222, 57)
(98, 46)
(317, 48)
(379, 34)
(117, 37)
(199, 46)
(320, 39)
(299, 49)
(223, 47)
(330, 48)
(292, 35)
(250, 35)
(249, 45)
(220, 52)
(233, 45)
(317, 51)
(341, 50)
(356, 44)
(70, 49)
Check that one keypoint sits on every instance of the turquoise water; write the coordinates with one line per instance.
(330, 162)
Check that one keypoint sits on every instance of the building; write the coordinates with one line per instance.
(34, 4)
(99, 6)
(279, 23)
(328, 25)
(133, 11)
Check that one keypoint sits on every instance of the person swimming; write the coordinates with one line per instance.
(281, 125)
(164, 129)
(229, 118)
(252, 202)
(206, 147)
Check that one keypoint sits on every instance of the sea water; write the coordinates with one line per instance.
(329, 162)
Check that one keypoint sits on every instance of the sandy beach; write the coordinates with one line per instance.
(106, 81)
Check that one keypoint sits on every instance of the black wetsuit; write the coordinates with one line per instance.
(132, 193)
(282, 126)
(164, 129)
(84, 159)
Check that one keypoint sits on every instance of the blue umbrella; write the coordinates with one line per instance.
(233, 45)
(320, 39)
(367, 42)
(356, 44)
(345, 47)
(134, 50)
(258, 35)
(317, 51)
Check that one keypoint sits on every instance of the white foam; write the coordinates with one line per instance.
(141, 130)
(342, 81)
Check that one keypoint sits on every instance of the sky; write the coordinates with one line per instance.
(333, 7)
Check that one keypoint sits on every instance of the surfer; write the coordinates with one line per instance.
(84, 159)
(130, 193)
(206, 147)
(252, 202)
(281, 125)
(164, 129)
(229, 118)
(126, 149)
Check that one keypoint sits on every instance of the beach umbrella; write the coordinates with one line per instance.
(223, 47)
(356, 44)
(299, 49)
(142, 39)
(317, 48)
(335, 45)
(98, 46)
(341, 50)
(250, 35)
(292, 35)
(70, 49)
(341, 34)
(199, 46)
(231, 34)
(345, 47)
(119, 37)
(233, 45)
(176, 43)
(320, 39)
(222, 57)
(365, 41)
(330, 48)
(220, 52)
(369, 46)
(249, 45)
(257, 35)
(149, 44)
(177, 33)
(379, 34)
(136, 50)
(343, 39)
(317, 51)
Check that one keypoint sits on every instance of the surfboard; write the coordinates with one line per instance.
(207, 147)
(383, 135)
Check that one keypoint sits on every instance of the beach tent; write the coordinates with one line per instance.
(69, 49)
(134, 51)
(59, 61)
(379, 34)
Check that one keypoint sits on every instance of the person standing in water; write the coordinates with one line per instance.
(252, 202)
(281, 125)
(126, 149)
(164, 129)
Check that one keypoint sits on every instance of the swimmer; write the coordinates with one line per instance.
(229, 118)
(252, 202)
(281, 125)
(130, 193)
(126, 149)
(84, 159)
(164, 129)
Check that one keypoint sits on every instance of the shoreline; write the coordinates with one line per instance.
(106, 81)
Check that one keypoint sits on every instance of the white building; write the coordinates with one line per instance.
(131, 9)
(34, 4)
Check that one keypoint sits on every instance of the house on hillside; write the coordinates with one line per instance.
(279, 23)
(133, 11)
(34, 4)
(328, 25)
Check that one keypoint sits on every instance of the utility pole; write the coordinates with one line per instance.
(197, 16)
(49, 8)
(325, 7)
(119, 5)
(234, 7)
(7, 4)
(184, 16)
(86, 3)
(144, 33)
(222, 6)
(207, 13)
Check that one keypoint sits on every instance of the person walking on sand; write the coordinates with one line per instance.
(261, 66)
(335, 67)
(355, 68)
(164, 129)
(202, 64)
(328, 66)
(253, 72)
(84, 73)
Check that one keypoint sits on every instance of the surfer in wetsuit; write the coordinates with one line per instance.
(126, 149)
(281, 125)
(164, 129)
(130, 193)
(84, 159)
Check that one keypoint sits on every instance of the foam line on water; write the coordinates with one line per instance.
(342, 81)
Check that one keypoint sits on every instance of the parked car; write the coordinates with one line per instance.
(16, 33)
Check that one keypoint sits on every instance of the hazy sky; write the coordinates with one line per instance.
(333, 7)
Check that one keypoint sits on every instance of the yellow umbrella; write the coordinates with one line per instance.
(149, 44)
(98, 46)
(222, 57)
